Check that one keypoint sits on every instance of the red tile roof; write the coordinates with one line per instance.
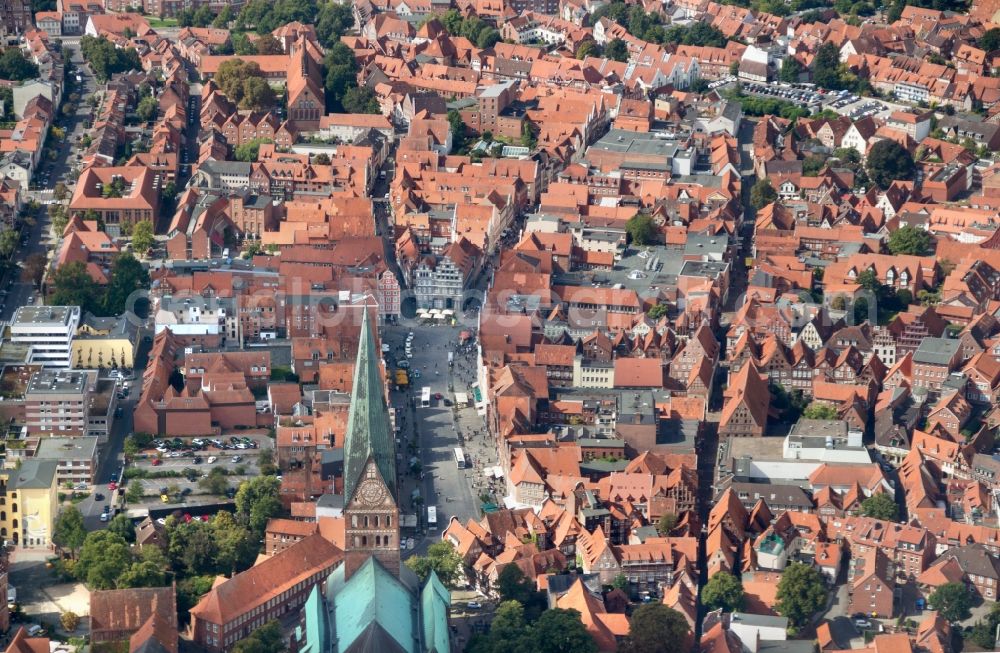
(261, 583)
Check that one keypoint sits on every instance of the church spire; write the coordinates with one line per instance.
(369, 435)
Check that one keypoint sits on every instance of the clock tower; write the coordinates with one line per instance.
(371, 509)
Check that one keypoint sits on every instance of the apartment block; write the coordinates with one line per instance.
(58, 402)
(48, 332)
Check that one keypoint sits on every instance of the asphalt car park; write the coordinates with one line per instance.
(184, 462)
(787, 92)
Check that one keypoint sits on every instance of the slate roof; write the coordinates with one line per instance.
(936, 351)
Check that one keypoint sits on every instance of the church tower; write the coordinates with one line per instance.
(371, 509)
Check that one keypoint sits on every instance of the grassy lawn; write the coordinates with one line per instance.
(161, 22)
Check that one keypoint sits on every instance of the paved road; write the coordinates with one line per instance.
(435, 431)
(37, 234)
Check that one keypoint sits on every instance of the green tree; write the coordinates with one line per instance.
(134, 493)
(699, 85)
(265, 462)
(813, 165)
(257, 95)
(952, 601)
(983, 635)
(762, 194)
(562, 631)
(442, 559)
(248, 151)
(257, 501)
(122, 525)
(512, 585)
(990, 40)
(266, 639)
(587, 49)
(34, 269)
(321, 159)
(655, 313)
(168, 193)
(616, 50)
(458, 130)
(72, 285)
(360, 100)
(244, 83)
(819, 410)
(723, 590)
(68, 532)
(69, 621)
(640, 229)
(8, 243)
(655, 628)
(143, 238)
(267, 44)
(143, 574)
(147, 108)
(104, 557)
(192, 548)
(15, 67)
(127, 277)
(105, 59)
(189, 592)
(826, 69)
(910, 240)
(509, 632)
(334, 20)
(242, 45)
(984, 632)
(861, 310)
(203, 16)
(791, 69)
(237, 546)
(880, 506)
(528, 137)
(216, 482)
(801, 593)
(341, 75)
(223, 18)
(699, 33)
(869, 280)
(888, 161)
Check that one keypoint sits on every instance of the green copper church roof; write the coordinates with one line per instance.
(374, 607)
(368, 430)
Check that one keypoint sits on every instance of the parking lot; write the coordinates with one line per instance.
(174, 467)
(798, 94)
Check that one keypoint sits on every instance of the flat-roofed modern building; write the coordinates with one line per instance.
(57, 402)
(75, 458)
(48, 332)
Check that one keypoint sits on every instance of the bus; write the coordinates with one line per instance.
(460, 457)
(425, 397)
(432, 516)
